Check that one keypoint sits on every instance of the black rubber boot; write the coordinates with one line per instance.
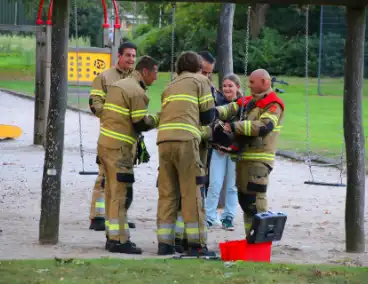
(128, 247)
(97, 224)
(165, 249)
(107, 244)
(197, 250)
(181, 245)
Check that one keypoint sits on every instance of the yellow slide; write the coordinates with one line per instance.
(9, 131)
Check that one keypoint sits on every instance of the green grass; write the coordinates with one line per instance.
(26, 87)
(173, 271)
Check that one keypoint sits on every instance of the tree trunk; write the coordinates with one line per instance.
(258, 19)
(225, 41)
(51, 182)
(353, 130)
(225, 54)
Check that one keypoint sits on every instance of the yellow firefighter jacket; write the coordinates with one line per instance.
(186, 105)
(100, 86)
(125, 113)
(257, 132)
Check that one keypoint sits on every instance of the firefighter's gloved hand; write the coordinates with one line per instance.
(220, 136)
(142, 153)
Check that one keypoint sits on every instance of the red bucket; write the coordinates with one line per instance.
(241, 250)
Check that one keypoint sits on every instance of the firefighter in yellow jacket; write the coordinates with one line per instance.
(187, 104)
(124, 116)
(100, 85)
(207, 65)
(256, 135)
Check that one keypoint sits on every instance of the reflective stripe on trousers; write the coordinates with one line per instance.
(179, 227)
(165, 232)
(107, 225)
(114, 228)
(100, 207)
(194, 233)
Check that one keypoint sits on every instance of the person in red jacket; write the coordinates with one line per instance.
(255, 141)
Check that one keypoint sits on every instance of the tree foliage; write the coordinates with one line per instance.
(279, 45)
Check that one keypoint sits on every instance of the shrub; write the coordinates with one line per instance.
(142, 29)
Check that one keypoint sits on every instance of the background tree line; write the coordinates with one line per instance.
(277, 36)
(277, 33)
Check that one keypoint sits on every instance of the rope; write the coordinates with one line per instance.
(173, 24)
(246, 59)
(307, 90)
(79, 105)
(342, 161)
(246, 51)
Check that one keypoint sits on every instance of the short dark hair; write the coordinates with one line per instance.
(126, 45)
(188, 61)
(207, 56)
(146, 62)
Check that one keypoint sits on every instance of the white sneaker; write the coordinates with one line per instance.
(214, 224)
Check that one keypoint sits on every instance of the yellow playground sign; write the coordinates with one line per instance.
(90, 61)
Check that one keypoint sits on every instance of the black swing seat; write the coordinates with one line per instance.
(186, 256)
(325, 183)
(267, 227)
(83, 173)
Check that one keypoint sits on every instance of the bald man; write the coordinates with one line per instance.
(255, 137)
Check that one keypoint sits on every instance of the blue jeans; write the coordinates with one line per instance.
(221, 168)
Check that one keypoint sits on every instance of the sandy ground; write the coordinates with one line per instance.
(314, 232)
